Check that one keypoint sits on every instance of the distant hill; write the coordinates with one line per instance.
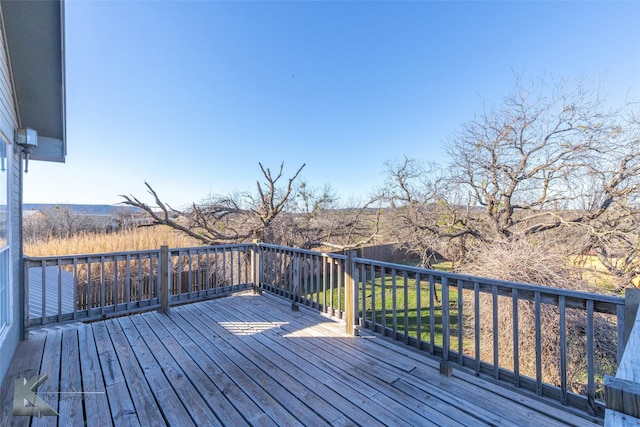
(107, 210)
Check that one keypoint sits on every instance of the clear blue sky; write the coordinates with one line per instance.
(190, 96)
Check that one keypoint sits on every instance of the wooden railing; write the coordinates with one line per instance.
(556, 343)
(310, 278)
(85, 287)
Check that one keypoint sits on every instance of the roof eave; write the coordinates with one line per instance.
(34, 32)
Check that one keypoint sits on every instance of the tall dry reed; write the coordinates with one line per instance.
(126, 240)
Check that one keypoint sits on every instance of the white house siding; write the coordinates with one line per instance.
(8, 123)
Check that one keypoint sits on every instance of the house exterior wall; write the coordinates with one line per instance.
(10, 334)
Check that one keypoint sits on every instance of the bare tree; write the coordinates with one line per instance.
(316, 220)
(58, 221)
(291, 214)
(225, 219)
(548, 159)
(554, 159)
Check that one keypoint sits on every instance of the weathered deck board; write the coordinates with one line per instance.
(203, 388)
(266, 372)
(170, 404)
(440, 408)
(70, 407)
(199, 368)
(25, 364)
(318, 350)
(95, 401)
(509, 409)
(250, 360)
(296, 374)
(373, 402)
(237, 366)
(51, 366)
(146, 406)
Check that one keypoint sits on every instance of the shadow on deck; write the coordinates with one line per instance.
(251, 360)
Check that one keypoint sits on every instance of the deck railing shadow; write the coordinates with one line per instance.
(459, 320)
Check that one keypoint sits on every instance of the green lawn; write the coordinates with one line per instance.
(407, 300)
(381, 301)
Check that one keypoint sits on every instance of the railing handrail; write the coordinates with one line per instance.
(603, 298)
(302, 251)
(136, 252)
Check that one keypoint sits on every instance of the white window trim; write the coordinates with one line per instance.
(6, 252)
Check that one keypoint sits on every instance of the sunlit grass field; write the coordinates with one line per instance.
(135, 239)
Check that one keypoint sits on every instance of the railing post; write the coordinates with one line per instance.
(25, 301)
(350, 296)
(164, 279)
(296, 282)
(631, 301)
(256, 267)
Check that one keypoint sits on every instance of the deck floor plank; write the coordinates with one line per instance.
(170, 404)
(96, 404)
(314, 348)
(195, 404)
(554, 412)
(296, 409)
(123, 411)
(25, 364)
(51, 366)
(251, 360)
(477, 401)
(272, 372)
(348, 378)
(208, 378)
(70, 379)
(333, 392)
(187, 384)
(286, 409)
(255, 399)
(147, 408)
(388, 369)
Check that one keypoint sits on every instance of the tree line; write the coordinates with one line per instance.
(550, 170)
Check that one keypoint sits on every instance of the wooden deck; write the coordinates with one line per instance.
(251, 360)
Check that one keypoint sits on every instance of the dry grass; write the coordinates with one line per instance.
(522, 261)
(126, 240)
(591, 270)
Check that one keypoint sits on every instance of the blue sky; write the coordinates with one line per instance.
(190, 96)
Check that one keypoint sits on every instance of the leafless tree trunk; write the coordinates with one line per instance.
(548, 159)
(293, 215)
(225, 219)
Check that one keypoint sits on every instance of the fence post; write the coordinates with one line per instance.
(631, 301)
(296, 282)
(164, 279)
(350, 296)
(256, 268)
